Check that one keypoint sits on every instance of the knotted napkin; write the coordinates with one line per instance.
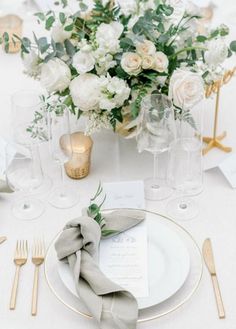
(110, 305)
(4, 188)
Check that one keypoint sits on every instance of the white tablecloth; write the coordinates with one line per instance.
(115, 159)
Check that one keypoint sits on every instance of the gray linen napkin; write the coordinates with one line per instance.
(111, 306)
(4, 188)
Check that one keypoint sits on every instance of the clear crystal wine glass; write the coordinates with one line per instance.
(64, 195)
(185, 167)
(24, 175)
(29, 117)
(30, 124)
(155, 133)
(184, 175)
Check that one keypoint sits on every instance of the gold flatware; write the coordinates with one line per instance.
(38, 253)
(20, 258)
(2, 239)
(210, 263)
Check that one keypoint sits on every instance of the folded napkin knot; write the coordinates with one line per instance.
(81, 233)
(109, 304)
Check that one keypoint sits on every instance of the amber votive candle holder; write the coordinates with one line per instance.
(79, 165)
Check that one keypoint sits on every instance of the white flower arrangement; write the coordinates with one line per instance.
(103, 61)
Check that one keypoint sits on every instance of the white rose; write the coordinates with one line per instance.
(55, 75)
(217, 52)
(145, 48)
(131, 63)
(31, 63)
(83, 62)
(108, 35)
(186, 88)
(179, 7)
(148, 62)
(58, 31)
(85, 91)
(161, 62)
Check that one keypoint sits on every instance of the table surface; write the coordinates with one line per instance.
(116, 159)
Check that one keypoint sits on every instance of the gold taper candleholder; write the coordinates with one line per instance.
(12, 24)
(215, 140)
(79, 165)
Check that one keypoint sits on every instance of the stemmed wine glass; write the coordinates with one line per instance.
(24, 174)
(155, 133)
(63, 196)
(30, 124)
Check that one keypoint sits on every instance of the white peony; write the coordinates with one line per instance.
(83, 61)
(31, 63)
(145, 48)
(161, 62)
(55, 75)
(114, 92)
(85, 91)
(217, 52)
(186, 88)
(108, 35)
(131, 63)
(179, 7)
(58, 31)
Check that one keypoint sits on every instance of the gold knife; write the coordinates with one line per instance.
(2, 239)
(210, 263)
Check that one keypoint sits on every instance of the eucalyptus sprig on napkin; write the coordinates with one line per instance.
(94, 211)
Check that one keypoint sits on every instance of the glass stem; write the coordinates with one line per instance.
(183, 205)
(26, 206)
(62, 194)
(155, 166)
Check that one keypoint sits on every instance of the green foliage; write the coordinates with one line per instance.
(233, 46)
(49, 22)
(6, 40)
(115, 115)
(127, 44)
(94, 211)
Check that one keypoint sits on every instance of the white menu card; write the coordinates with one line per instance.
(228, 169)
(124, 258)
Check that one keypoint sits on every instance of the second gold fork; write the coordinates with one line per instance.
(37, 259)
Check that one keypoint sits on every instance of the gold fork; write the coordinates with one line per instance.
(20, 258)
(38, 252)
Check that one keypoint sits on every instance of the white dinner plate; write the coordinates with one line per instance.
(168, 264)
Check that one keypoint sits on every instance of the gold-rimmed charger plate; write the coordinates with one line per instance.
(179, 298)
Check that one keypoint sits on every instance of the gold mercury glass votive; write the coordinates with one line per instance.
(79, 165)
(12, 24)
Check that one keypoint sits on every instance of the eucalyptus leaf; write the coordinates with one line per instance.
(69, 28)
(70, 49)
(62, 18)
(43, 44)
(49, 22)
(41, 16)
(233, 46)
